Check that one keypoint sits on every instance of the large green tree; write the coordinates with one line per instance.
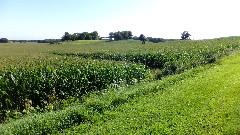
(185, 35)
(88, 36)
(82, 36)
(95, 35)
(130, 35)
(74, 36)
(66, 36)
(118, 36)
(143, 38)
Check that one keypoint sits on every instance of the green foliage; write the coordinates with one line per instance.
(155, 40)
(80, 36)
(61, 80)
(142, 37)
(95, 35)
(123, 35)
(89, 111)
(48, 123)
(185, 35)
(169, 61)
(66, 36)
(202, 102)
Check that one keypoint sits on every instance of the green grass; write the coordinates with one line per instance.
(208, 103)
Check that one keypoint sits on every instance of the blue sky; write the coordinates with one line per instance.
(43, 19)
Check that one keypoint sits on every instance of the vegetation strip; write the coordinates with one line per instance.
(92, 107)
(207, 103)
(170, 59)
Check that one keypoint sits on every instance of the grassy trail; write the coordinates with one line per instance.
(209, 103)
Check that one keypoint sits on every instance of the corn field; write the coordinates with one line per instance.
(38, 74)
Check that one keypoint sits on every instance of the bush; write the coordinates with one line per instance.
(3, 40)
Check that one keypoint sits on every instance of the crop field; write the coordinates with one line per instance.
(47, 88)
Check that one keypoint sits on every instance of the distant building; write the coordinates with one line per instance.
(107, 38)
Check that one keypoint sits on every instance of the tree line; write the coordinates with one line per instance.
(123, 35)
(80, 36)
(120, 35)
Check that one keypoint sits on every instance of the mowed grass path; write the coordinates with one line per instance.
(208, 103)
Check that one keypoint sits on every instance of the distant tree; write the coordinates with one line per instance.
(81, 36)
(185, 35)
(3, 40)
(130, 35)
(66, 36)
(118, 36)
(74, 36)
(123, 35)
(150, 39)
(88, 36)
(155, 40)
(95, 35)
(143, 38)
(111, 35)
(126, 35)
(136, 38)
